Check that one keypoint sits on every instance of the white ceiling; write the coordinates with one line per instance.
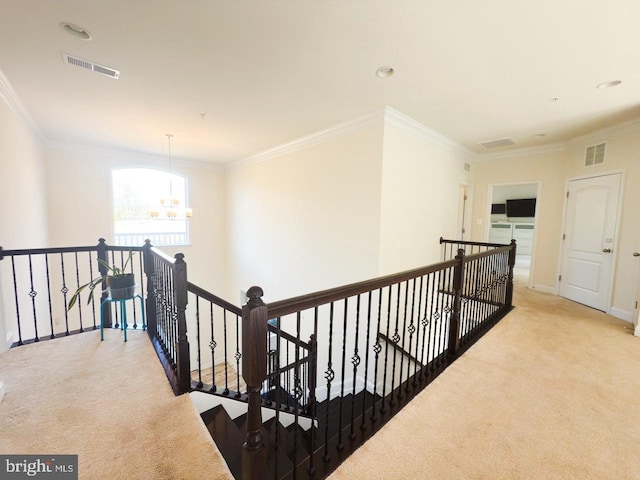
(266, 72)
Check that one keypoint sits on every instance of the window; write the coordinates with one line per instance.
(150, 204)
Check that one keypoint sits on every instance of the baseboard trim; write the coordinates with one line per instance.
(2, 391)
(625, 315)
(544, 289)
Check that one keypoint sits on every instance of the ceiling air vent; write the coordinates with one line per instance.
(86, 64)
(501, 142)
(594, 155)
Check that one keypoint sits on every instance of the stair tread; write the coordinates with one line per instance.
(227, 437)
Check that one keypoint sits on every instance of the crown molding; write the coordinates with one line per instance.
(407, 123)
(8, 94)
(339, 130)
(606, 132)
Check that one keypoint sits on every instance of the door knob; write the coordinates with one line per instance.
(636, 254)
(606, 250)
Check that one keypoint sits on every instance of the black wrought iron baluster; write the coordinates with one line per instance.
(340, 444)
(411, 329)
(46, 265)
(199, 384)
(395, 339)
(313, 381)
(386, 352)
(15, 294)
(433, 314)
(363, 426)
(377, 348)
(418, 321)
(212, 346)
(226, 362)
(477, 311)
(329, 376)
(436, 319)
(484, 290)
(32, 294)
(64, 291)
(355, 361)
(446, 296)
(404, 336)
(278, 392)
(238, 356)
(287, 378)
(78, 285)
(425, 321)
(297, 395)
(486, 286)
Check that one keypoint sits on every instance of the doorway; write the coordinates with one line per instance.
(513, 216)
(589, 239)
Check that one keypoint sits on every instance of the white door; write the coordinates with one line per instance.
(590, 227)
(636, 309)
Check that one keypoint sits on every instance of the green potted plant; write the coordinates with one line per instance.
(121, 284)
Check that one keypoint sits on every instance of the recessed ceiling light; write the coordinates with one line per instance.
(554, 99)
(385, 72)
(76, 31)
(612, 83)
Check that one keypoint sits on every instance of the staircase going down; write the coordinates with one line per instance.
(293, 444)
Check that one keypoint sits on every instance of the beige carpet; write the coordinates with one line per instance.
(110, 403)
(552, 392)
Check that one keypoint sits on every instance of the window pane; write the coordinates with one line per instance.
(136, 193)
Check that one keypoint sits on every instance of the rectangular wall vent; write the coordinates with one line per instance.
(594, 155)
(501, 142)
(94, 67)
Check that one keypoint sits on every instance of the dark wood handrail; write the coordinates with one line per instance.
(210, 297)
(398, 348)
(303, 302)
(52, 250)
(476, 244)
(41, 251)
(288, 336)
(163, 256)
(286, 368)
(487, 253)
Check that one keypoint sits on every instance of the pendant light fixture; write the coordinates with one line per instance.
(169, 207)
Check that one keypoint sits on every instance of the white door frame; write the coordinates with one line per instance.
(536, 220)
(616, 241)
(468, 208)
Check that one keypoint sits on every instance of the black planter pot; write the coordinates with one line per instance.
(122, 286)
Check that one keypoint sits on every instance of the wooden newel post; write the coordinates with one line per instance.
(106, 308)
(512, 262)
(180, 305)
(150, 301)
(454, 323)
(254, 371)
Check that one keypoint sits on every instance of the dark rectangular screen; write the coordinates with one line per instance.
(523, 207)
(497, 208)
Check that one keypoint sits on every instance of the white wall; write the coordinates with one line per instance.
(553, 169)
(549, 169)
(622, 154)
(23, 219)
(81, 207)
(306, 220)
(420, 183)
